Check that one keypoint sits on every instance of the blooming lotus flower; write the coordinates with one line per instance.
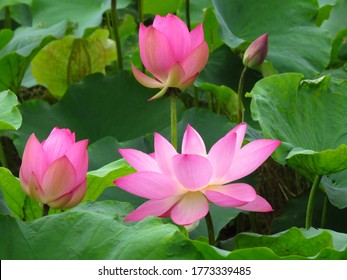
(54, 172)
(181, 186)
(256, 52)
(172, 54)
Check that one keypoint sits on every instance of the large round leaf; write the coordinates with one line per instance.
(83, 13)
(17, 54)
(93, 231)
(309, 116)
(294, 244)
(99, 106)
(70, 59)
(292, 32)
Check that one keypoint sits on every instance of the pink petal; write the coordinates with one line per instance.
(77, 195)
(197, 36)
(35, 190)
(221, 157)
(231, 195)
(188, 81)
(78, 156)
(250, 157)
(196, 60)
(159, 94)
(147, 184)
(190, 209)
(176, 32)
(192, 171)
(152, 208)
(58, 143)
(34, 160)
(240, 131)
(156, 53)
(175, 76)
(145, 80)
(192, 142)
(60, 202)
(164, 152)
(139, 160)
(257, 205)
(59, 179)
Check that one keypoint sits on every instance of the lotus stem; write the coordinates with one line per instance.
(7, 21)
(324, 212)
(239, 94)
(188, 13)
(210, 229)
(3, 159)
(310, 204)
(45, 210)
(114, 18)
(173, 111)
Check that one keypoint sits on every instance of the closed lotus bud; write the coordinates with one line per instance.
(256, 52)
(54, 172)
(172, 54)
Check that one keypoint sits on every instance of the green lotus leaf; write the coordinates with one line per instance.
(291, 39)
(10, 117)
(98, 106)
(309, 116)
(335, 186)
(294, 243)
(70, 59)
(16, 55)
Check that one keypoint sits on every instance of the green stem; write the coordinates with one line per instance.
(140, 11)
(239, 94)
(140, 16)
(3, 159)
(324, 212)
(310, 204)
(109, 26)
(209, 101)
(7, 21)
(173, 109)
(210, 229)
(196, 97)
(45, 210)
(114, 17)
(188, 13)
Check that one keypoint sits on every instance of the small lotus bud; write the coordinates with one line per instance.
(256, 52)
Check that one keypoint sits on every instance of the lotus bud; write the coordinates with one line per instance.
(54, 172)
(173, 55)
(256, 52)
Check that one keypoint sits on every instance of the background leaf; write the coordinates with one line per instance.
(12, 192)
(158, 7)
(313, 142)
(10, 117)
(99, 180)
(16, 56)
(97, 107)
(290, 39)
(68, 60)
(291, 244)
(83, 13)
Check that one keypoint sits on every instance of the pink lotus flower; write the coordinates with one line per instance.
(181, 186)
(54, 172)
(172, 54)
(256, 52)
